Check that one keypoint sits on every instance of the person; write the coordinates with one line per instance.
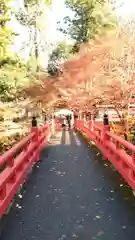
(68, 117)
(63, 124)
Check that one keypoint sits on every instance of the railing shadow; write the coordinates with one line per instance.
(72, 137)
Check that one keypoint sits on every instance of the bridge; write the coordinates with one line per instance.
(57, 184)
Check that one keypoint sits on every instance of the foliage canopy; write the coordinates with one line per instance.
(90, 17)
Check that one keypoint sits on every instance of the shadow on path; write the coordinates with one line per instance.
(72, 137)
(63, 138)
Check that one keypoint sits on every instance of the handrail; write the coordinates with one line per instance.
(114, 148)
(17, 161)
(98, 126)
(10, 153)
(121, 141)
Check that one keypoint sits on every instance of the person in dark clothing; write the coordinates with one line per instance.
(63, 124)
(68, 117)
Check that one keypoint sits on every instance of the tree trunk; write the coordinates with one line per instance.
(36, 49)
(35, 38)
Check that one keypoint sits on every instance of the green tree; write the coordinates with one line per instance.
(58, 55)
(6, 34)
(14, 73)
(89, 18)
(34, 2)
(30, 19)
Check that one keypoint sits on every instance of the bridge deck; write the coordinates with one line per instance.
(71, 195)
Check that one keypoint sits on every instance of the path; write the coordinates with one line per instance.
(71, 195)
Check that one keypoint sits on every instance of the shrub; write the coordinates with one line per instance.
(1, 118)
(6, 142)
(16, 119)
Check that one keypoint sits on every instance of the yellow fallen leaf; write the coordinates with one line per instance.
(98, 217)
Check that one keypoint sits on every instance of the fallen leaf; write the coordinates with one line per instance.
(111, 199)
(18, 206)
(124, 227)
(98, 217)
(20, 196)
(112, 191)
(62, 237)
(133, 193)
(80, 226)
(74, 235)
(99, 234)
(82, 206)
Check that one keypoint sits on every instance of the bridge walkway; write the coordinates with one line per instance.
(71, 194)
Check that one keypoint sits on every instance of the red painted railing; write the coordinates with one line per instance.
(17, 162)
(114, 148)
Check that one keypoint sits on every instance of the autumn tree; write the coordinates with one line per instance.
(99, 74)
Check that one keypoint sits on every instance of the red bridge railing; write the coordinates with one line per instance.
(17, 162)
(114, 148)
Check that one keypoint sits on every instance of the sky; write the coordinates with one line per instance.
(51, 17)
(127, 10)
(57, 13)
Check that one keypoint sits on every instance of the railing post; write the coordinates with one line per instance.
(45, 118)
(35, 139)
(49, 130)
(53, 125)
(76, 117)
(90, 122)
(106, 128)
(34, 122)
(49, 126)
